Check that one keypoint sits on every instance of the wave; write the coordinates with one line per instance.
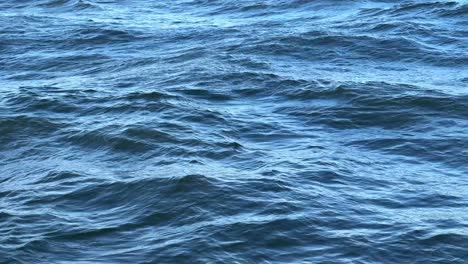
(233, 131)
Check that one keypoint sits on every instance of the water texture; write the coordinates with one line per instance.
(247, 131)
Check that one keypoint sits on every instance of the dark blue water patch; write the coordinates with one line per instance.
(233, 131)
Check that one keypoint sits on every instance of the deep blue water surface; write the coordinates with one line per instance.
(247, 131)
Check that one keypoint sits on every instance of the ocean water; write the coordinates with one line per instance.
(248, 131)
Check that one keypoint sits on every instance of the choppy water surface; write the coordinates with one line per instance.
(209, 131)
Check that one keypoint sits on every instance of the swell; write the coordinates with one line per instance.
(233, 131)
(68, 5)
(318, 46)
(451, 9)
(379, 99)
(196, 194)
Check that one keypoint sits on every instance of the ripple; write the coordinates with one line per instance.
(203, 131)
